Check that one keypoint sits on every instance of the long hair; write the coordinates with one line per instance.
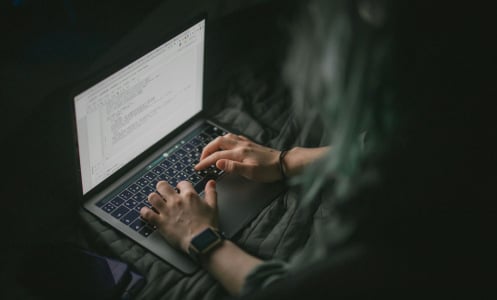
(402, 84)
(339, 71)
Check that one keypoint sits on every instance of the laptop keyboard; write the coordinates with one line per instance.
(173, 166)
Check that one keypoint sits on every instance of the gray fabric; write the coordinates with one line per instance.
(264, 275)
(261, 111)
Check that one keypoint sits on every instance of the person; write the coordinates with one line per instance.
(378, 86)
(179, 216)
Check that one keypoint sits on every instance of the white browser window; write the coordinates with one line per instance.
(129, 111)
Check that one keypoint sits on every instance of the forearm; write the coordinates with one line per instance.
(230, 265)
(298, 158)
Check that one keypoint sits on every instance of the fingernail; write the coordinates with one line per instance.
(221, 164)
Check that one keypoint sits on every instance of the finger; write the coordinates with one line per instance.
(210, 148)
(157, 201)
(244, 138)
(231, 166)
(211, 193)
(185, 187)
(165, 189)
(149, 215)
(225, 142)
(214, 157)
(157, 192)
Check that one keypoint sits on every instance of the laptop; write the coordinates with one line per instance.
(143, 122)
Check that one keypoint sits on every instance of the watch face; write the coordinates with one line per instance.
(205, 239)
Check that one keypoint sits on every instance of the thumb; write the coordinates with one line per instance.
(211, 193)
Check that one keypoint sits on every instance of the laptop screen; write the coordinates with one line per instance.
(123, 115)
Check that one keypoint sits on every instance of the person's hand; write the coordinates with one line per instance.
(237, 154)
(179, 216)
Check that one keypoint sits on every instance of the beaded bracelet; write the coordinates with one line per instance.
(282, 169)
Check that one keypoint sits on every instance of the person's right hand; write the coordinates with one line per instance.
(237, 154)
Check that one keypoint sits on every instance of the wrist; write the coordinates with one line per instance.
(297, 158)
(288, 167)
(281, 164)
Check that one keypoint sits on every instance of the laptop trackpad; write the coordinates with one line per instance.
(240, 200)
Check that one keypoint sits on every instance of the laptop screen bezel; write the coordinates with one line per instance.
(110, 69)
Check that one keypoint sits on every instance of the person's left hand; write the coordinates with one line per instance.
(180, 216)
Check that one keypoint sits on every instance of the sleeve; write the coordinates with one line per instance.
(264, 275)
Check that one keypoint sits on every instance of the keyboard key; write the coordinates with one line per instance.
(194, 179)
(212, 137)
(186, 160)
(171, 172)
(125, 194)
(108, 207)
(149, 176)
(158, 170)
(166, 164)
(173, 181)
(217, 171)
(119, 212)
(130, 203)
(200, 186)
(178, 166)
(195, 141)
(146, 231)
(147, 190)
(134, 188)
(180, 153)
(209, 171)
(196, 156)
(138, 224)
(181, 176)
(164, 177)
(173, 158)
(130, 217)
(188, 147)
(153, 184)
(117, 201)
(204, 138)
(190, 170)
(198, 149)
(214, 131)
(142, 182)
(140, 197)
(211, 130)
(139, 206)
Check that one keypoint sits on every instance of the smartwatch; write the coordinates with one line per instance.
(204, 242)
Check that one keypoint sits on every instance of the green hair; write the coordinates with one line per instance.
(339, 70)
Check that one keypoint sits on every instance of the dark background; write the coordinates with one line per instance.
(47, 48)
(47, 44)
